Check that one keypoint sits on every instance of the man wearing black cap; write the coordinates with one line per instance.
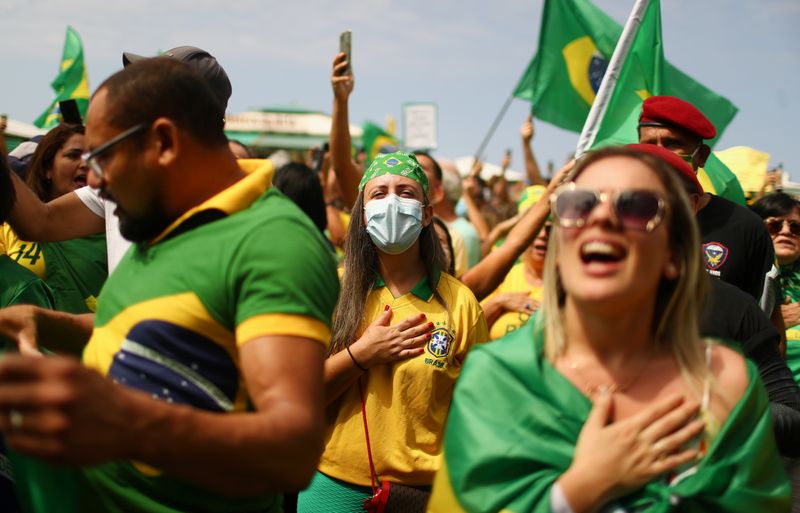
(736, 246)
(201, 385)
(83, 212)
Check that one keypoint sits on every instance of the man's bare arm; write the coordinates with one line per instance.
(531, 166)
(80, 417)
(30, 326)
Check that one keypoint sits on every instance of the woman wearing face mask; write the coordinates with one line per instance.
(609, 400)
(74, 269)
(402, 329)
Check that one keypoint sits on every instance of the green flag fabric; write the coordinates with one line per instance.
(718, 179)
(71, 82)
(76, 271)
(515, 420)
(576, 41)
(376, 140)
(641, 76)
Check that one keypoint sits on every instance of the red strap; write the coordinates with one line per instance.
(372, 473)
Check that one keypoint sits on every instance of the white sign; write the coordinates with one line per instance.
(419, 126)
(283, 123)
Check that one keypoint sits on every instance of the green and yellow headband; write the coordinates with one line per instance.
(396, 163)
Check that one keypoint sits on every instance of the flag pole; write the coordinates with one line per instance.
(492, 128)
(606, 89)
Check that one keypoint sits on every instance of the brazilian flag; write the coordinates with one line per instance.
(376, 140)
(70, 83)
(643, 74)
(576, 42)
(640, 76)
(718, 179)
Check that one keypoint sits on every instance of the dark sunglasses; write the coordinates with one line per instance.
(635, 209)
(775, 225)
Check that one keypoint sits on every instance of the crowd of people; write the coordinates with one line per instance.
(187, 328)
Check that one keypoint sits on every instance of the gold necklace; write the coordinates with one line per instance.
(612, 388)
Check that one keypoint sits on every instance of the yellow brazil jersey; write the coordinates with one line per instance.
(514, 281)
(27, 254)
(407, 401)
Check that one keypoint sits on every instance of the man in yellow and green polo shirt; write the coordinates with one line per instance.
(213, 326)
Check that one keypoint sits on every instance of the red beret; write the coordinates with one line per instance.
(674, 112)
(675, 162)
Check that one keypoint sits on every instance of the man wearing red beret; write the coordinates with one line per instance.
(736, 246)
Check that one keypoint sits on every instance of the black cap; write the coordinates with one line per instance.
(200, 60)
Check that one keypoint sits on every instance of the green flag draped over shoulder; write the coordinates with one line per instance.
(71, 82)
(576, 40)
(377, 140)
(515, 420)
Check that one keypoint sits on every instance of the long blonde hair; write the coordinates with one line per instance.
(675, 319)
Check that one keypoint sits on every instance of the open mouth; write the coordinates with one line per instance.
(601, 252)
(79, 180)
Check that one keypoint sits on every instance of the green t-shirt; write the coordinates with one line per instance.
(171, 318)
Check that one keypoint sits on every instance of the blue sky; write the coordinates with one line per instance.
(465, 56)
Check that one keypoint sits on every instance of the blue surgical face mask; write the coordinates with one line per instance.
(393, 223)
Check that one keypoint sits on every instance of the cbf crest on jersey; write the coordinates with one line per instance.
(440, 343)
(715, 254)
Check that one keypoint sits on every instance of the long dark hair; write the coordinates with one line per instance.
(7, 196)
(361, 269)
(45, 155)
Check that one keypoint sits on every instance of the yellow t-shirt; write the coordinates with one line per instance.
(406, 401)
(509, 321)
(27, 254)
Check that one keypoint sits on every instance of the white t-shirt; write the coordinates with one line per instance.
(116, 244)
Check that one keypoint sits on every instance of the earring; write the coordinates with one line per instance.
(671, 271)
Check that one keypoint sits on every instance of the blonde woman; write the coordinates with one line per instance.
(609, 400)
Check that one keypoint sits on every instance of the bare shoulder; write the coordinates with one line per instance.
(730, 374)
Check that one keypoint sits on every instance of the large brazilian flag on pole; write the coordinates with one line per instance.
(70, 83)
(576, 42)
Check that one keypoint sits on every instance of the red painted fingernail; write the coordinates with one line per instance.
(429, 334)
(424, 316)
(386, 308)
(430, 325)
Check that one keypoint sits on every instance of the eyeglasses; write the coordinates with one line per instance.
(635, 209)
(689, 158)
(775, 226)
(90, 157)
